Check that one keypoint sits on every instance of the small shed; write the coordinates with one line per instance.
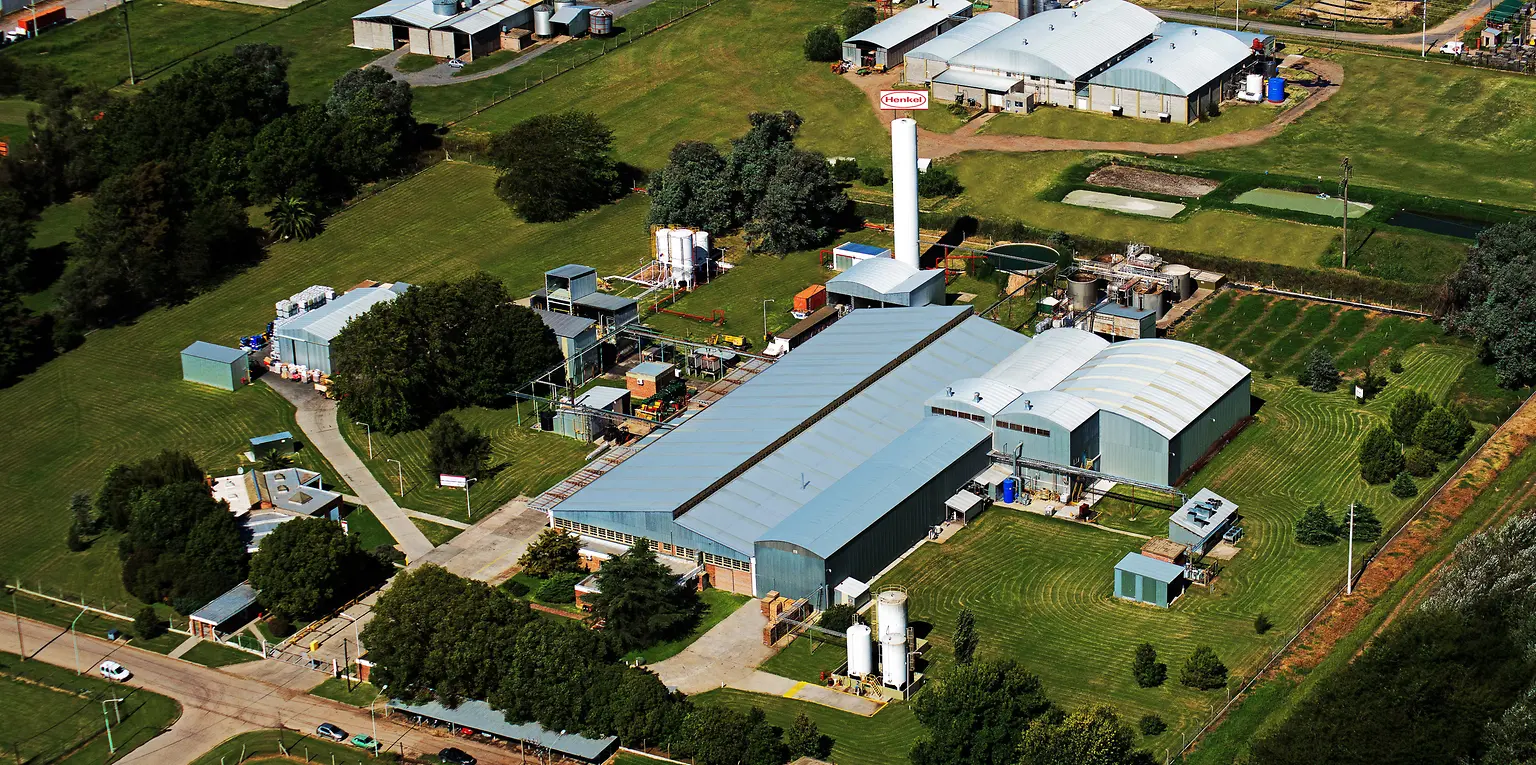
(852, 592)
(1202, 520)
(963, 506)
(215, 365)
(885, 283)
(572, 19)
(1147, 580)
(225, 613)
(848, 253)
(280, 442)
(647, 378)
(587, 426)
(1163, 549)
(576, 337)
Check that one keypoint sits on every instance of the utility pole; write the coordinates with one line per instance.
(76, 640)
(1349, 562)
(765, 319)
(399, 473)
(1424, 31)
(111, 747)
(1344, 191)
(128, 33)
(370, 436)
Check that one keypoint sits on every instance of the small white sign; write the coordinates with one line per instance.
(452, 481)
(1359, 393)
(903, 100)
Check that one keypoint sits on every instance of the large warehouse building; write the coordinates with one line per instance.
(442, 28)
(841, 456)
(885, 44)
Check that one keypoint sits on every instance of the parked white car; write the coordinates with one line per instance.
(111, 670)
(455, 64)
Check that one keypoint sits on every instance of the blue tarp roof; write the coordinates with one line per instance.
(863, 249)
(478, 715)
(1151, 568)
(227, 606)
(211, 352)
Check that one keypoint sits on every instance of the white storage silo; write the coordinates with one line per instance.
(680, 257)
(892, 611)
(893, 660)
(543, 26)
(904, 188)
(663, 237)
(861, 651)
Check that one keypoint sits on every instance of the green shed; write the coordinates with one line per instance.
(215, 365)
(1148, 580)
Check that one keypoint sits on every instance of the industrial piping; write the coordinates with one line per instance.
(904, 183)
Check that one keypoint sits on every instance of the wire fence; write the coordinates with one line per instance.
(106, 607)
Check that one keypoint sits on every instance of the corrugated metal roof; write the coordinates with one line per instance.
(227, 606)
(910, 23)
(884, 279)
(961, 38)
(569, 13)
(1065, 43)
(324, 323)
(281, 435)
(969, 79)
(571, 270)
(1064, 408)
(601, 396)
(863, 249)
(1243, 36)
(1047, 359)
(419, 13)
(1178, 64)
(211, 352)
(707, 446)
(1163, 384)
(564, 324)
(838, 515)
(1151, 568)
(1109, 308)
(605, 302)
(480, 716)
(1200, 524)
(982, 393)
(740, 512)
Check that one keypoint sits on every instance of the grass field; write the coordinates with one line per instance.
(215, 655)
(718, 604)
(858, 740)
(13, 117)
(1136, 510)
(266, 746)
(53, 715)
(436, 533)
(804, 660)
(370, 532)
(1094, 126)
(335, 689)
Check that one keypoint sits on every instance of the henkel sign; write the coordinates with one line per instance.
(451, 481)
(903, 100)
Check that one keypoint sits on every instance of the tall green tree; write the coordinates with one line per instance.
(1367, 525)
(1320, 373)
(454, 449)
(965, 638)
(800, 206)
(1406, 413)
(124, 481)
(1403, 486)
(556, 551)
(822, 43)
(857, 18)
(25, 338)
(554, 166)
(377, 131)
(1203, 670)
(181, 546)
(1380, 458)
(295, 155)
(1092, 736)
(1148, 671)
(308, 566)
(975, 714)
(1493, 299)
(639, 598)
(1440, 433)
(716, 735)
(694, 190)
(804, 739)
(1315, 527)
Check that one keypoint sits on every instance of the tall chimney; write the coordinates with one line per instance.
(904, 183)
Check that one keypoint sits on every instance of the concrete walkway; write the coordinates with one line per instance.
(727, 655)
(186, 645)
(488, 550)
(317, 418)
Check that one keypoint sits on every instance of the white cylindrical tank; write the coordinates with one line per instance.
(663, 236)
(1255, 84)
(892, 611)
(542, 26)
(861, 651)
(904, 186)
(681, 256)
(893, 660)
(700, 246)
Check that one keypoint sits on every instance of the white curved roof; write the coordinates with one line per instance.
(1047, 359)
(961, 38)
(1065, 43)
(1053, 405)
(910, 23)
(1179, 63)
(994, 395)
(1163, 384)
(879, 274)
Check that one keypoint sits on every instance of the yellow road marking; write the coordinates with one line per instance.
(789, 694)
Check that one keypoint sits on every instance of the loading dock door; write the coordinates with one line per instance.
(994, 100)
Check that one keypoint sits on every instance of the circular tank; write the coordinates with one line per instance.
(892, 611)
(601, 21)
(1083, 291)
(861, 651)
(542, 26)
(1183, 279)
(1028, 251)
(1148, 297)
(893, 661)
(1276, 89)
(663, 235)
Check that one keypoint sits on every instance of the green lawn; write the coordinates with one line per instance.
(335, 689)
(215, 655)
(884, 739)
(718, 604)
(805, 659)
(1056, 122)
(266, 746)
(370, 532)
(169, 33)
(436, 533)
(939, 119)
(1130, 511)
(13, 118)
(696, 80)
(488, 61)
(53, 715)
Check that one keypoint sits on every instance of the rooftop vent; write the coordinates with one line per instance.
(1172, 46)
(1051, 27)
(1027, 405)
(976, 397)
(1149, 59)
(949, 391)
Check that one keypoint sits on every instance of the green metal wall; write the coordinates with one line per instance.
(213, 373)
(1191, 444)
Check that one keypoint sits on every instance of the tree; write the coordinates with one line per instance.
(1419, 462)
(1151, 725)
(1380, 457)
(800, 206)
(1092, 736)
(1148, 671)
(715, 735)
(1367, 525)
(1320, 373)
(113, 507)
(1511, 739)
(24, 338)
(376, 128)
(1370, 382)
(561, 588)
(1406, 413)
(975, 713)
(1403, 486)
(80, 513)
(1440, 433)
(273, 459)
(1262, 624)
(554, 552)
(292, 218)
(453, 449)
(756, 157)
(938, 181)
(554, 166)
(294, 155)
(180, 546)
(857, 18)
(640, 600)
(965, 636)
(147, 625)
(872, 175)
(1315, 527)
(845, 170)
(694, 190)
(1493, 297)
(804, 739)
(307, 566)
(72, 540)
(1203, 670)
(837, 618)
(823, 44)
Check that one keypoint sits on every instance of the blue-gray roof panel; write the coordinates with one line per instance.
(227, 606)
(323, 324)
(1151, 568)
(910, 23)
(211, 352)
(480, 716)
(564, 324)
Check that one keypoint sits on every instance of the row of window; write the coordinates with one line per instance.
(723, 562)
(979, 418)
(665, 548)
(1025, 429)
(961, 415)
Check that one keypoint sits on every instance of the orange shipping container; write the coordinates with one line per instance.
(38, 21)
(810, 299)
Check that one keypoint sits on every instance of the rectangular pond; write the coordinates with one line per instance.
(1121, 203)
(1461, 228)
(1300, 201)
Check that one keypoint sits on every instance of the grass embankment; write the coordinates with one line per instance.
(87, 623)
(267, 747)
(335, 689)
(857, 740)
(215, 655)
(53, 715)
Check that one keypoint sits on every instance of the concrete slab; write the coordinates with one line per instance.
(726, 655)
(488, 550)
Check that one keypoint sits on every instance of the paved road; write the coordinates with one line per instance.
(317, 418)
(1450, 28)
(218, 704)
(489, 549)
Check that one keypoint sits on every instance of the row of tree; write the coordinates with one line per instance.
(1431, 434)
(1316, 527)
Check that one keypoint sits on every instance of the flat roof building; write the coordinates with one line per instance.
(215, 365)
(225, 613)
(1202, 520)
(885, 44)
(1148, 580)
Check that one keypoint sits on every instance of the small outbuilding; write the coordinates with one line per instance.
(886, 44)
(305, 339)
(587, 425)
(225, 613)
(885, 283)
(1202, 520)
(576, 336)
(647, 378)
(280, 442)
(215, 365)
(1147, 580)
(849, 253)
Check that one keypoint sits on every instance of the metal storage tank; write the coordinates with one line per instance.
(663, 236)
(700, 246)
(680, 256)
(541, 23)
(1148, 297)
(893, 660)
(1276, 90)
(602, 22)
(445, 7)
(1183, 279)
(861, 652)
(1083, 291)
(892, 611)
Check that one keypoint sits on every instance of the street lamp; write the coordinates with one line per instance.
(76, 640)
(765, 319)
(1424, 31)
(467, 510)
(399, 473)
(371, 719)
(370, 436)
(128, 34)
(111, 747)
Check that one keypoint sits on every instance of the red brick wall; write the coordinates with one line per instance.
(730, 580)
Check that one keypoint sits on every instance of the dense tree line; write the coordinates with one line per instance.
(438, 635)
(554, 166)
(783, 198)
(1448, 682)
(438, 347)
(1493, 297)
(1419, 436)
(308, 566)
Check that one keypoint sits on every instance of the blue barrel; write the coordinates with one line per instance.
(1276, 90)
(1008, 490)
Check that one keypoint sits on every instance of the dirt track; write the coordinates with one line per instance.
(930, 144)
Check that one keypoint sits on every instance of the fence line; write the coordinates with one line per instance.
(85, 606)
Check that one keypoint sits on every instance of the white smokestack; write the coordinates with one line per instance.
(904, 182)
